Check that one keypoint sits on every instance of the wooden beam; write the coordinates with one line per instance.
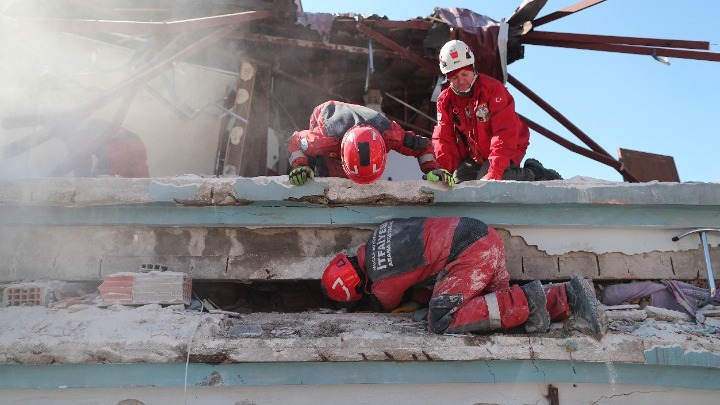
(254, 146)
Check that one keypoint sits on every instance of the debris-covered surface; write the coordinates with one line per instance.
(86, 333)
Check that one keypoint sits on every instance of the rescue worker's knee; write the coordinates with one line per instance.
(441, 310)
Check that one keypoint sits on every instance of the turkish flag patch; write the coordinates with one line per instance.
(454, 54)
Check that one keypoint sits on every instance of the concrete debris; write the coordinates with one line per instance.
(27, 294)
(627, 315)
(710, 310)
(86, 329)
(712, 323)
(153, 333)
(46, 293)
(621, 307)
(667, 314)
(154, 287)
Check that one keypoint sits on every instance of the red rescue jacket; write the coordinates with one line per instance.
(483, 126)
(406, 252)
(331, 120)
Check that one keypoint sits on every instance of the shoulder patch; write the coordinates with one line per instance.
(498, 99)
(303, 143)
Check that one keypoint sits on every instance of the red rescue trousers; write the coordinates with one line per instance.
(504, 309)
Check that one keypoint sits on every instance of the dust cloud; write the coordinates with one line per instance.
(53, 83)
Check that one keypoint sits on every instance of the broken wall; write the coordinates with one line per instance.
(263, 228)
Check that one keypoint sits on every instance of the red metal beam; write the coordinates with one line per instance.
(540, 36)
(569, 145)
(422, 63)
(565, 12)
(556, 114)
(637, 50)
(310, 85)
(325, 46)
(137, 27)
(578, 149)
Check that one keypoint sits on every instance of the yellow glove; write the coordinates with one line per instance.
(440, 175)
(299, 175)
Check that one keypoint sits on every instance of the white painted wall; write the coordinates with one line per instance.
(561, 240)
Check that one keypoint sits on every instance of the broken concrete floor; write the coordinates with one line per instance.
(88, 334)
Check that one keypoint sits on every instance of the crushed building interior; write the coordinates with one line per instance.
(254, 245)
(276, 50)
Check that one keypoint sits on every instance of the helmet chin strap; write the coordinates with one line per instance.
(466, 92)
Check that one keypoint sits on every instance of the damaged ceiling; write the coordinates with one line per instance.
(355, 58)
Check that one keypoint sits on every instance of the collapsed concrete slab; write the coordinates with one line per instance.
(253, 230)
(235, 228)
(88, 334)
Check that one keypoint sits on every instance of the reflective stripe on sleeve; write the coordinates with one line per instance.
(428, 157)
(493, 310)
(296, 155)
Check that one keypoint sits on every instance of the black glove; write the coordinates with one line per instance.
(299, 175)
(440, 175)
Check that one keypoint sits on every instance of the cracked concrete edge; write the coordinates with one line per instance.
(111, 190)
(351, 349)
(313, 337)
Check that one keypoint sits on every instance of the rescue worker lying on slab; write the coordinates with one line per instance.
(464, 261)
(352, 141)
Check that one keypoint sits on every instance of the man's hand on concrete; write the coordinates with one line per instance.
(440, 175)
(299, 175)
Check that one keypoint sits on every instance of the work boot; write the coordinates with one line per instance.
(540, 172)
(551, 174)
(588, 312)
(539, 319)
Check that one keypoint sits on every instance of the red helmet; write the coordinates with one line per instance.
(363, 154)
(340, 281)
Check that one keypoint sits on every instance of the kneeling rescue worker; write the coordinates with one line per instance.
(463, 260)
(352, 141)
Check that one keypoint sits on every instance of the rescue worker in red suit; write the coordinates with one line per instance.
(479, 136)
(352, 141)
(101, 149)
(465, 259)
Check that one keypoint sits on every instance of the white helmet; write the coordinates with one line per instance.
(455, 55)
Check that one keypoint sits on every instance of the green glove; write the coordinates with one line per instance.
(440, 175)
(299, 175)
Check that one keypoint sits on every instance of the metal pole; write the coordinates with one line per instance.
(711, 277)
(412, 108)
